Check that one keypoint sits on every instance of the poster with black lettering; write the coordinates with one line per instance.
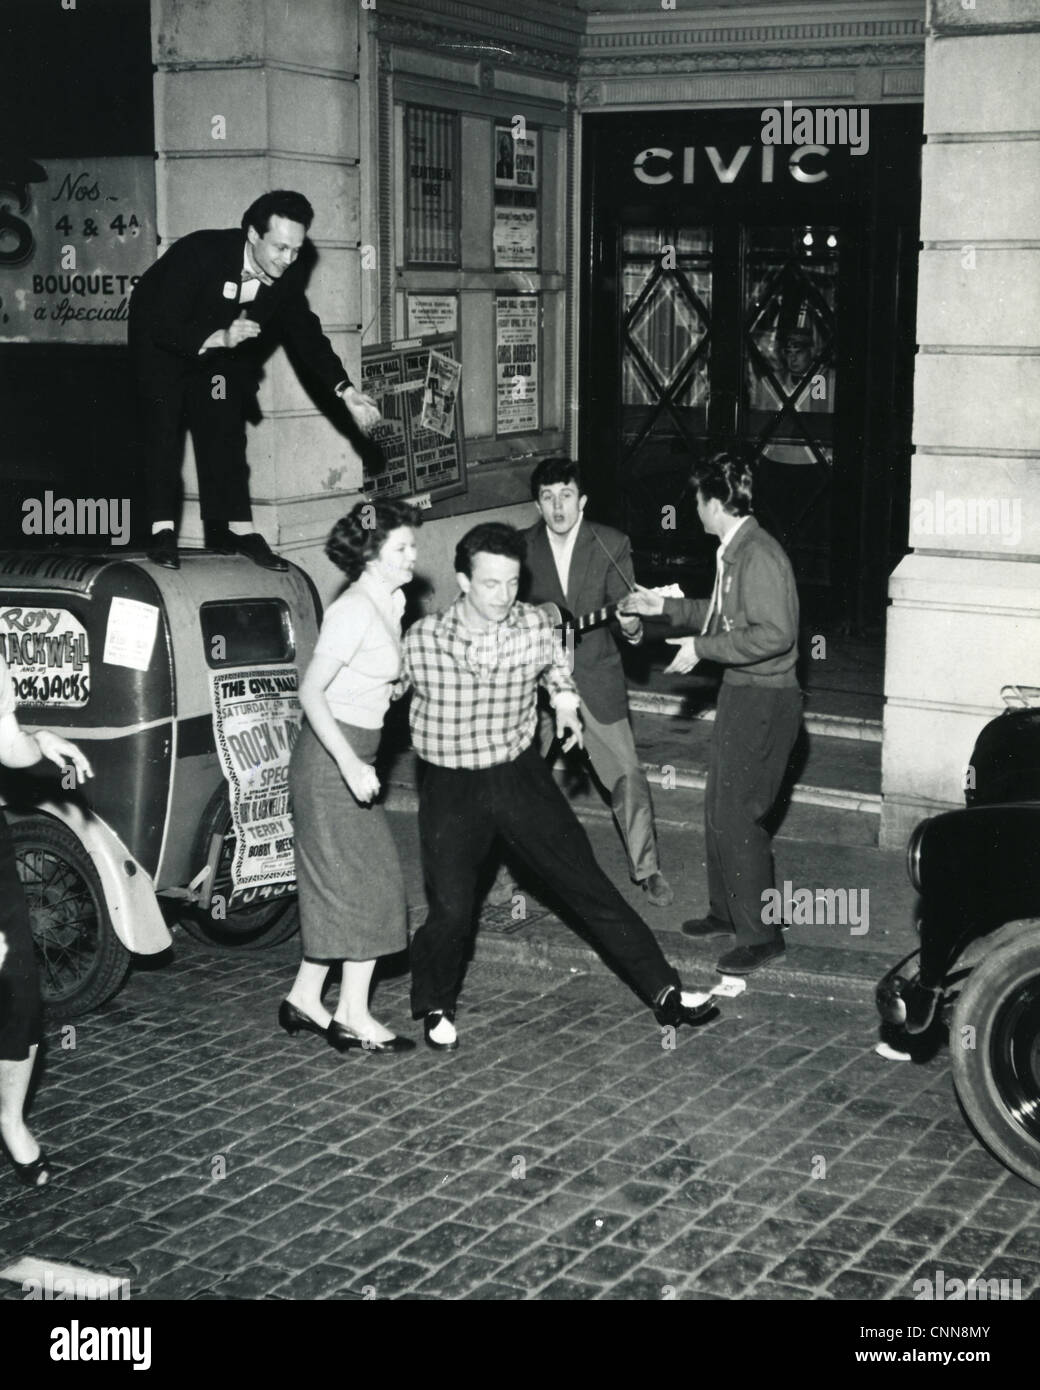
(412, 457)
(516, 345)
(78, 235)
(431, 191)
(386, 470)
(256, 719)
(48, 654)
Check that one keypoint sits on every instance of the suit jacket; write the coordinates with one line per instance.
(193, 289)
(593, 582)
(754, 631)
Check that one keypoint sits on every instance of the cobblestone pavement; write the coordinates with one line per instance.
(564, 1152)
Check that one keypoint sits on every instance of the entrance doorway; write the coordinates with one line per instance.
(737, 293)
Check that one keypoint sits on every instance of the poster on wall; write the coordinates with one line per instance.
(256, 718)
(516, 158)
(431, 197)
(516, 238)
(418, 444)
(386, 463)
(516, 355)
(432, 313)
(439, 394)
(77, 234)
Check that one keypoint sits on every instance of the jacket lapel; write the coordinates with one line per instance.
(580, 561)
(543, 558)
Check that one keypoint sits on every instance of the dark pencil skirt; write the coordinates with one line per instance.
(351, 889)
(21, 1009)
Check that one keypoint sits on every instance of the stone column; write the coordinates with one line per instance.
(249, 97)
(965, 614)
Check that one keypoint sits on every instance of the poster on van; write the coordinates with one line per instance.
(47, 652)
(256, 719)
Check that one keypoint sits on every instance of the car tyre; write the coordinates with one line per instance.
(81, 960)
(995, 1053)
(251, 928)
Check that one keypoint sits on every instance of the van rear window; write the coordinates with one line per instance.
(245, 631)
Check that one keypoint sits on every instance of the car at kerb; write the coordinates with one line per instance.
(977, 871)
(181, 686)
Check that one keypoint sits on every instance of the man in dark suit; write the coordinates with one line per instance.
(200, 318)
(583, 566)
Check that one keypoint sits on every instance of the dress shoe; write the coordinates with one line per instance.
(252, 546)
(441, 1021)
(162, 549)
(293, 1020)
(658, 890)
(34, 1174)
(671, 1008)
(707, 926)
(742, 960)
(344, 1039)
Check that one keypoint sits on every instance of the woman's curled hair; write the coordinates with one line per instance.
(358, 537)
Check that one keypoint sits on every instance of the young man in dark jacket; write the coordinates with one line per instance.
(198, 318)
(585, 566)
(750, 626)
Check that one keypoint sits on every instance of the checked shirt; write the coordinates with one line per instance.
(474, 701)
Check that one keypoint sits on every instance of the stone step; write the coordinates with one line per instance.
(835, 796)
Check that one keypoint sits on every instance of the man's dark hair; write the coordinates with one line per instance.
(283, 202)
(358, 537)
(551, 471)
(493, 538)
(727, 477)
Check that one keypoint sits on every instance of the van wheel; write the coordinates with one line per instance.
(998, 1078)
(82, 962)
(252, 927)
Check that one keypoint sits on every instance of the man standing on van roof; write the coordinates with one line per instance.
(201, 320)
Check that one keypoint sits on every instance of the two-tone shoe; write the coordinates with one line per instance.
(439, 1030)
(674, 1006)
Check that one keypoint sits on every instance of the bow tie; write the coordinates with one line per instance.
(248, 275)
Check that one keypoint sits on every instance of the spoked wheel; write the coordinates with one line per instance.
(998, 1078)
(264, 922)
(82, 962)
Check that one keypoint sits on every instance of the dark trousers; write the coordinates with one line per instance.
(755, 731)
(460, 813)
(211, 402)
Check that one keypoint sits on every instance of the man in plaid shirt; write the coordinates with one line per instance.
(474, 671)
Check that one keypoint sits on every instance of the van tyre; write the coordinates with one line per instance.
(253, 927)
(81, 960)
(998, 1079)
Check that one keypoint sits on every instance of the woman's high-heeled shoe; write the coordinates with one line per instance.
(343, 1040)
(293, 1019)
(35, 1174)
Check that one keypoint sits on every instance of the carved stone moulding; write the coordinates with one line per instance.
(466, 44)
(748, 60)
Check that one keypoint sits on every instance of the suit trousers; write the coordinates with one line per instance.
(460, 813)
(755, 731)
(211, 401)
(612, 753)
